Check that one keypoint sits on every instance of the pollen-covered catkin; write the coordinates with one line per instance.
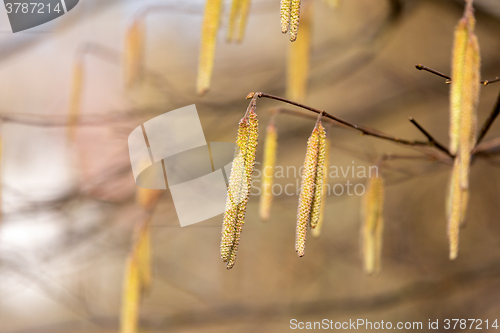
(210, 27)
(318, 182)
(373, 224)
(316, 232)
(249, 166)
(235, 191)
(307, 189)
(239, 185)
(134, 52)
(294, 19)
(286, 6)
(266, 196)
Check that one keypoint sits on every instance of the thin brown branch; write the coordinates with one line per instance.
(364, 130)
(421, 67)
(429, 136)
(491, 118)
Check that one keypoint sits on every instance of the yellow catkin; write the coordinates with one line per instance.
(316, 232)
(470, 99)
(210, 27)
(294, 19)
(134, 52)
(286, 6)
(239, 185)
(464, 92)
(75, 98)
(245, 9)
(373, 225)
(143, 255)
(130, 298)
(266, 196)
(318, 182)
(456, 208)
(236, 188)
(307, 191)
(456, 90)
(234, 16)
(237, 20)
(298, 59)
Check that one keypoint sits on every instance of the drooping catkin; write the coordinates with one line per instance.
(316, 232)
(237, 20)
(240, 182)
(235, 191)
(75, 98)
(318, 182)
(470, 99)
(143, 254)
(294, 19)
(307, 190)
(373, 224)
(298, 58)
(233, 19)
(130, 297)
(134, 52)
(270, 147)
(464, 93)
(286, 6)
(210, 27)
(245, 9)
(456, 208)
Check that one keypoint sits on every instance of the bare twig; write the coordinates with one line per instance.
(430, 137)
(364, 130)
(491, 118)
(421, 67)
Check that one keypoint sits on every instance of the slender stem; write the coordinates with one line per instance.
(421, 67)
(491, 118)
(486, 82)
(430, 70)
(364, 130)
(430, 137)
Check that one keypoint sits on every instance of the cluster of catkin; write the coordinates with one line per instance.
(311, 189)
(464, 98)
(210, 26)
(290, 16)
(240, 182)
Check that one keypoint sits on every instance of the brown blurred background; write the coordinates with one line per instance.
(68, 208)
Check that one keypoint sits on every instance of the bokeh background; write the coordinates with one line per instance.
(68, 207)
